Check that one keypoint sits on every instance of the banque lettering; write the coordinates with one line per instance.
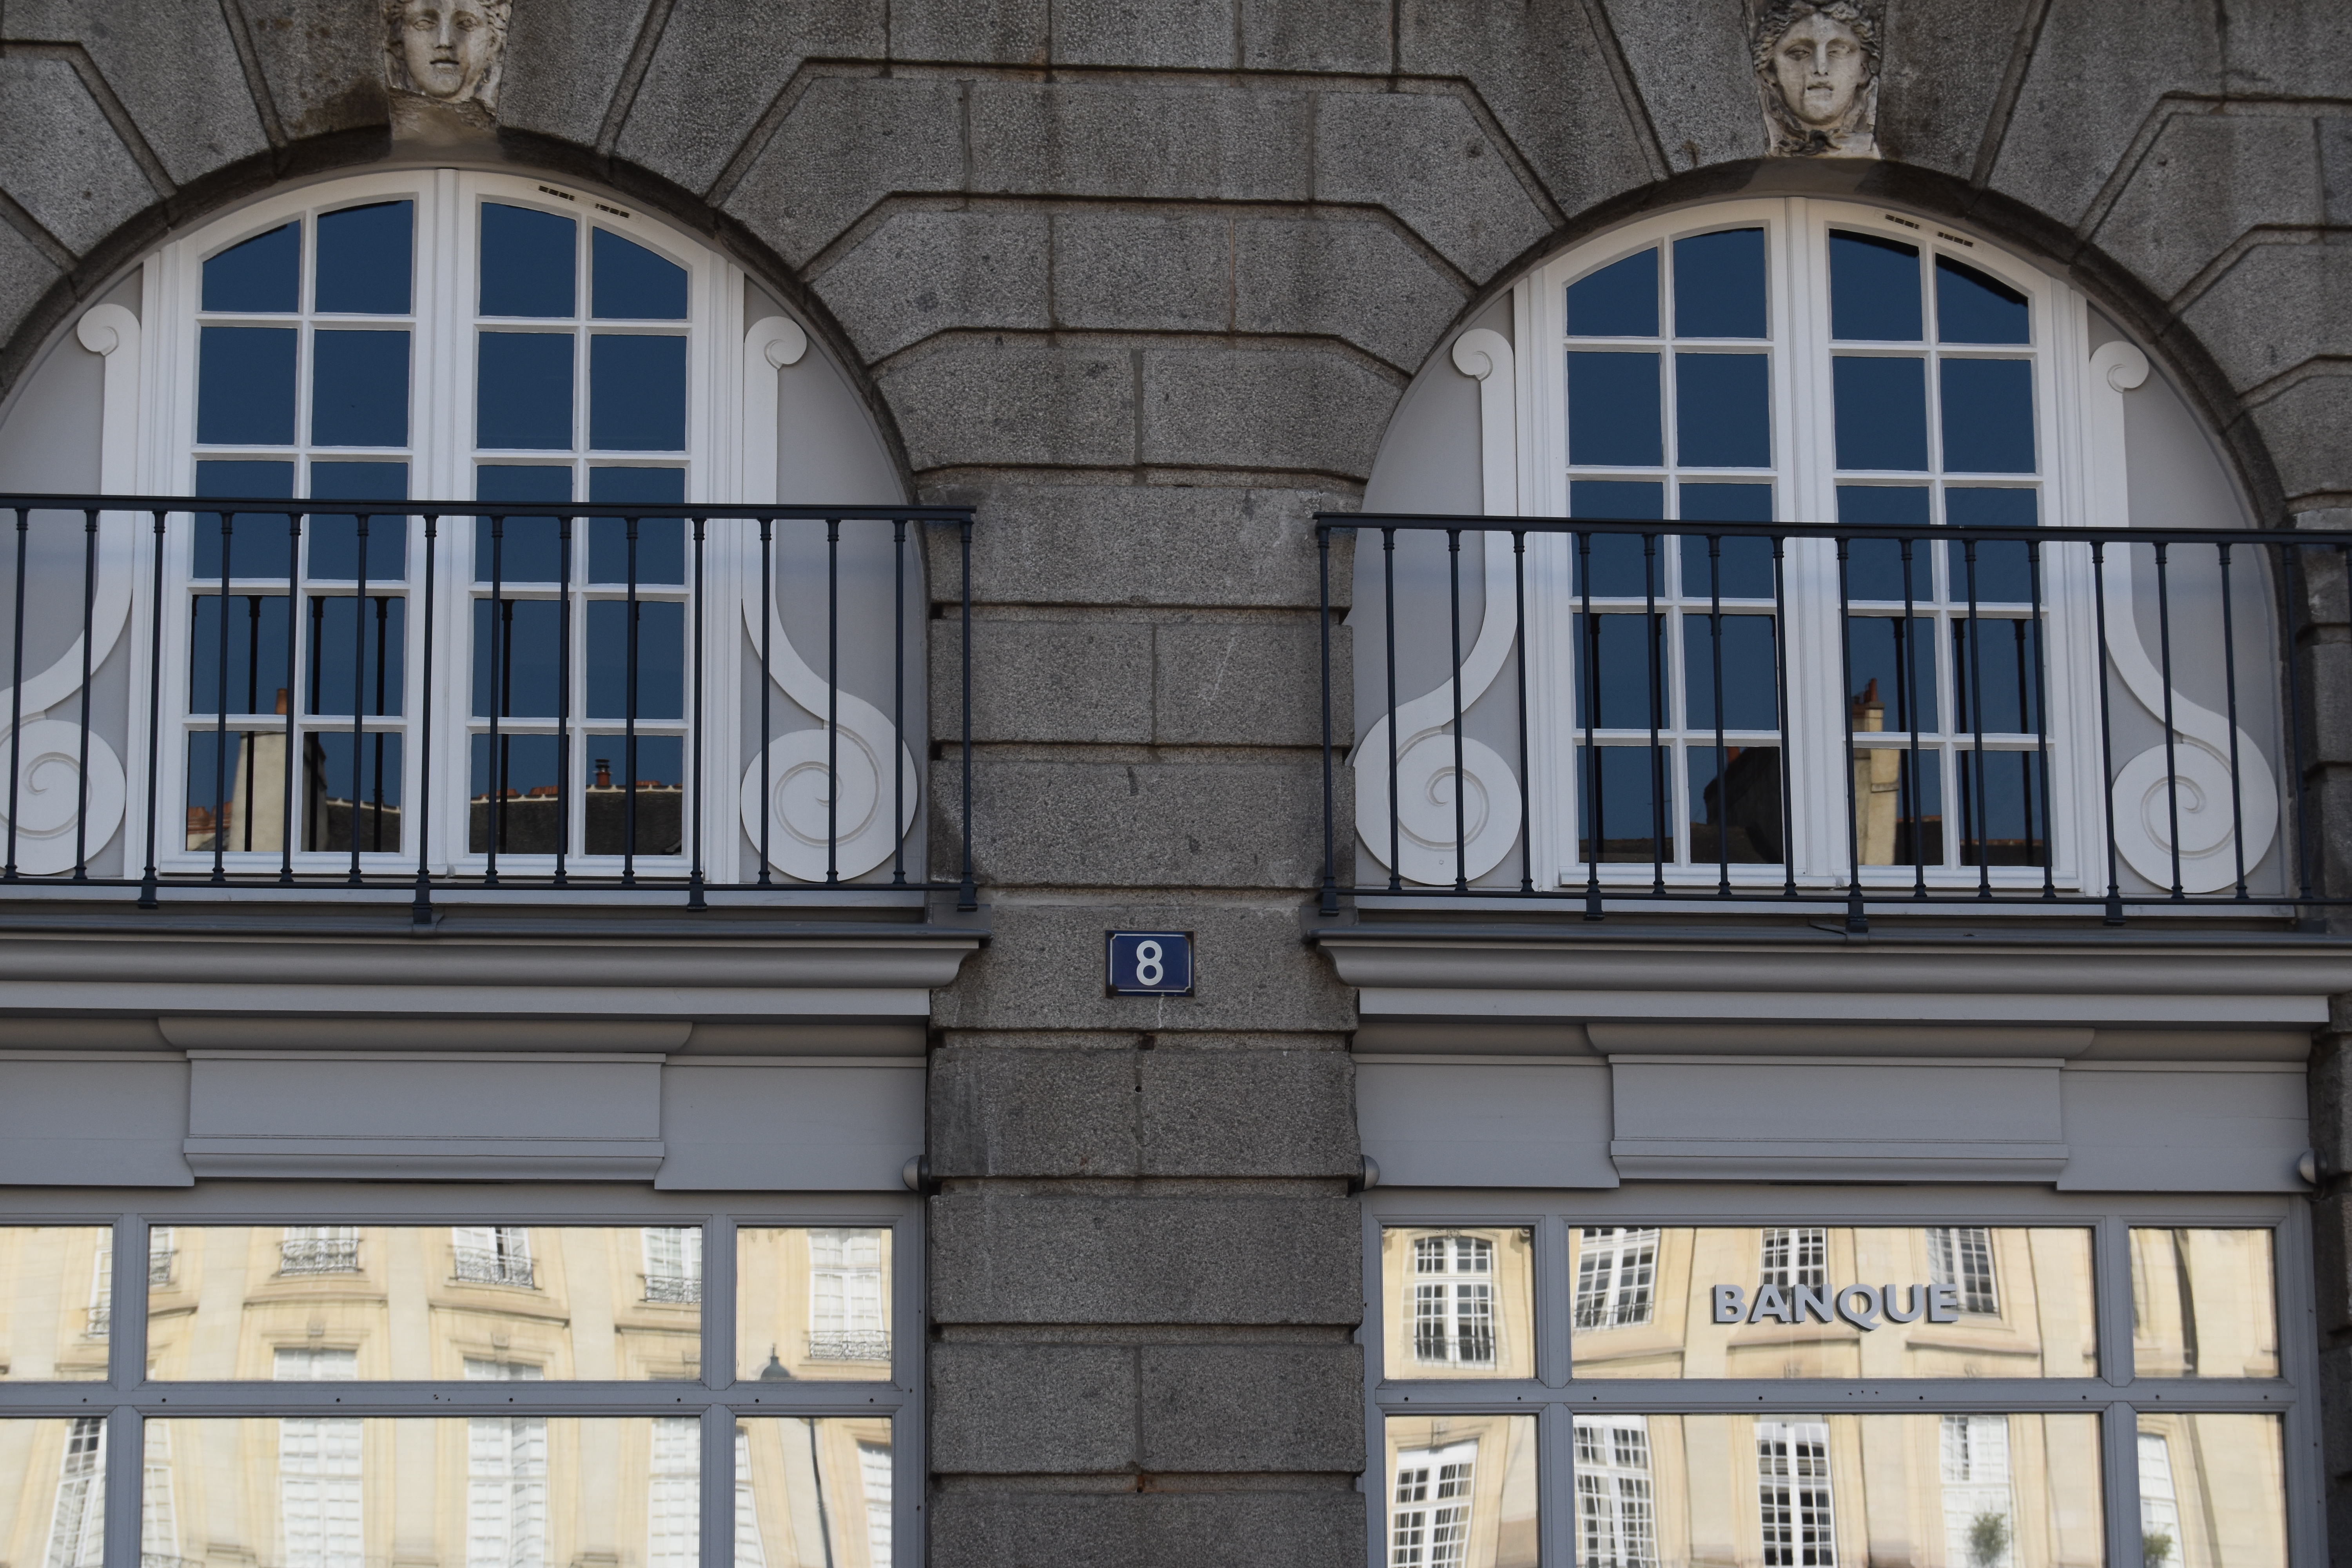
(1861, 1305)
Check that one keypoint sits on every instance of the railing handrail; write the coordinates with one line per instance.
(1442, 522)
(308, 505)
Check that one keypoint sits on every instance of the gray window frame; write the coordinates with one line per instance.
(1555, 1399)
(127, 1400)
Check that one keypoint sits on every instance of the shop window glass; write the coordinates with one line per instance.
(2204, 1303)
(1461, 1300)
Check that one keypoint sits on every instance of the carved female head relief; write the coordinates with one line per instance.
(1817, 68)
(449, 50)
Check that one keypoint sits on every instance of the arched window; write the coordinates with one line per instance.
(1730, 709)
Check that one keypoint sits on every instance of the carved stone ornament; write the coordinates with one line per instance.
(1817, 71)
(448, 52)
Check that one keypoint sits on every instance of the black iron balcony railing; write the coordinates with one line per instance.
(1801, 713)
(478, 1266)
(319, 1255)
(280, 673)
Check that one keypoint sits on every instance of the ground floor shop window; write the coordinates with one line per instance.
(1964, 1380)
(496, 1378)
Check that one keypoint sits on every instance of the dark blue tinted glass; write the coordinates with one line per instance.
(1738, 819)
(658, 768)
(526, 549)
(527, 816)
(1882, 412)
(661, 659)
(528, 262)
(245, 387)
(1719, 285)
(1618, 785)
(1750, 684)
(1873, 289)
(515, 661)
(1722, 412)
(1874, 566)
(265, 273)
(257, 653)
(364, 260)
(2004, 574)
(1878, 648)
(637, 393)
(1972, 307)
(1746, 562)
(2003, 822)
(258, 540)
(631, 283)
(376, 649)
(335, 773)
(1616, 558)
(1988, 417)
(661, 540)
(1992, 677)
(335, 539)
(524, 395)
(359, 389)
(1615, 666)
(1612, 410)
(1620, 300)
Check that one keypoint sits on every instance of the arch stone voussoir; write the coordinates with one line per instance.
(174, 70)
(61, 158)
(1426, 158)
(847, 142)
(2206, 180)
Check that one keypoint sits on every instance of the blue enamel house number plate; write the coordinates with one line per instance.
(1148, 962)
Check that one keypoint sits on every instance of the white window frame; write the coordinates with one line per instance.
(1804, 478)
(723, 443)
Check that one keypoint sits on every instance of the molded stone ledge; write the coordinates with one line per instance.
(1223, 1409)
(1139, 140)
(1033, 1529)
(1020, 402)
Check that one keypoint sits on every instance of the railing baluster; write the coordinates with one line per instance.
(1722, 765)
(2115, 915)
(1591, 675)
(1780, 678)
(564, 802)
(1652, 635)
(81, 773)
(1857, 914)
(629, 727)
(494, 761)
(1527, 787)
(149, 894)
(1388, 628)
(220, 725)
(421, 907)
(2229, 696)
(2171, 764)
(1975, 725)
(2041, 721)
(1330, 900)
(17, 701)
(897, 700)
(293, 687)
(359, 688)
(767, 624)
(1454, 680)
(833, 700)
(1907, 649)
(694, 898)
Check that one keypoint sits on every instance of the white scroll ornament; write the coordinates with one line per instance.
(814, 813)
(2198, 761)
(1427, 782)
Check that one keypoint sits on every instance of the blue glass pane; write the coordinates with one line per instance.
(1737, 820)
(516, 657)
(265, 273)
(375, 645)
(1612, 410)
(1972, 307)
(337, 772)
(259, 543)
(632, 283)
(526, 818)
(1882, 412)
(1874, 566)
(1873, 289)
(1722, 411)
(2004, 572)
(245, 387)
(518, 549)
(1746, 562)
(256, 653)
(334, 540)
(1988, 417)
(661, 540)
(1618, 785)
(1614, 665)
(658, 768)
(1878, 648)
(1620, 300)
(524, 395)
(637, 393)
(359, 389)
(364, 255)
(661, 659)
(1616, 558)
(1719, 285)
(528, 262)
(2003, 822)
(1992, 677)
(1750, 678)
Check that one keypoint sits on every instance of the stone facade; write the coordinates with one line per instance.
(1144, 285)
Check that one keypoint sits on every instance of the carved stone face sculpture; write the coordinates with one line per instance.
(1817, 64)
(449, 49)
